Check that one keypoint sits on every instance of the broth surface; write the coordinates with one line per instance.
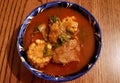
(85, 35)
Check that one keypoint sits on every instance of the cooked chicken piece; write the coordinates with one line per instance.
(35, 54)
(67, 52)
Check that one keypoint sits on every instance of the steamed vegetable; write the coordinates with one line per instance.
(63, 38)
(48, 50)
(42, 29)
(54, 19)
(35, 54)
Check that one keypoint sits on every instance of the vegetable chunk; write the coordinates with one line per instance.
(35, 54)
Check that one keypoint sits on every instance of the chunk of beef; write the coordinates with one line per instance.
(67, 53)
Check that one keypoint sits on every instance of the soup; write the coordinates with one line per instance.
(59, 41)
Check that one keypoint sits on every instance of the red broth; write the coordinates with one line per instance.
(85, 35)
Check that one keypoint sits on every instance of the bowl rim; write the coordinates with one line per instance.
(21, 49)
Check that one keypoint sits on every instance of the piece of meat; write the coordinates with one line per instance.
(67, 53)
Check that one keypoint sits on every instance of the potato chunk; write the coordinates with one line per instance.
(35, 54)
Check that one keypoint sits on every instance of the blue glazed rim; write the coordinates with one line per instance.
(83, 11)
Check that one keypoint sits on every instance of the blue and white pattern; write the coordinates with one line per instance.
(41, 8)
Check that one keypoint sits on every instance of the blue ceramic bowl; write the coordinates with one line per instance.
(84, 12)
